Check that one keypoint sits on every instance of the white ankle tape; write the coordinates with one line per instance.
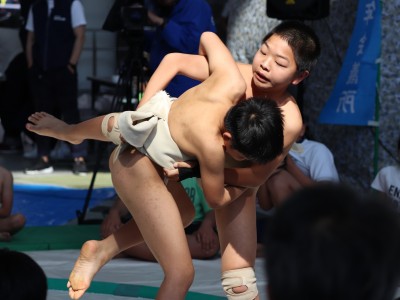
(114, 135)
(235, 278)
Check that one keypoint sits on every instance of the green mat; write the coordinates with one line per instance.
(52, 237)
(126, 290)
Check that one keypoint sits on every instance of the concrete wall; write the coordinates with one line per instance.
(353, 146)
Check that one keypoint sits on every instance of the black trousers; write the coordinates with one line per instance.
(56, 92)
(16, 102)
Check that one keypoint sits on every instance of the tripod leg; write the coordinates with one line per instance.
(82, 214)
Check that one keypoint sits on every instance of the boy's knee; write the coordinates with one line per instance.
(181, 276)
(240, 284)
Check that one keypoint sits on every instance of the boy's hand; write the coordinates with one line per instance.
(173, 174)
(207, 237)
(110, 223)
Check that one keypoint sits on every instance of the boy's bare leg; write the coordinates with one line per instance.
(45, 124)
(160, 223)
(95, 254)
(158, 216)
(235, 221)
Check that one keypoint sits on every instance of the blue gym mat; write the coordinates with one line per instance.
(47, 205)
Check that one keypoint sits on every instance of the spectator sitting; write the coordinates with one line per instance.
(9, 224)
(308, 162)
(329, 242)
(387, 181)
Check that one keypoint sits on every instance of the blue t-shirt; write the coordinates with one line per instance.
(195, 193)
(181, 33)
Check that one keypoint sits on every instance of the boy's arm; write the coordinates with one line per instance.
(29, 45)
(212, 180)
(213, 59)
(193, 66)
(252, 176)
(79, 33)
(298, 174)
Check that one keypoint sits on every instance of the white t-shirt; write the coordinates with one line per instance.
(315, 160)
(388, 181)
(77, 15)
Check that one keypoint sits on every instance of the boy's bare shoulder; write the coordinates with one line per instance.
(208, 148)
(292, 120)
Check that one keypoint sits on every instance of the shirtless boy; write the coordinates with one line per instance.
(200, 130)
(286, 57)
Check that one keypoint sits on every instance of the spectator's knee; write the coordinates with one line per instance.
(15, 223)
(18, 220)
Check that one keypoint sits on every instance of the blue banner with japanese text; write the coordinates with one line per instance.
(352, 101)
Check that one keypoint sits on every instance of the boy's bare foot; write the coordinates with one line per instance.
(45, 124)
(87, 265)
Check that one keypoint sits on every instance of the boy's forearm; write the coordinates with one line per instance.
(28, 50)
(173, 64)
(78, 44)
(231, 193)
(303, 179)
(252, 176)
(164, 73)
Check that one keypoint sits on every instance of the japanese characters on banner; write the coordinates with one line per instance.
(352, 101)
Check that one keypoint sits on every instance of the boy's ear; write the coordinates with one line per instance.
(226, 136)
(300, 77)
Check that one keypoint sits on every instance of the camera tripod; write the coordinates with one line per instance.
(127, 94)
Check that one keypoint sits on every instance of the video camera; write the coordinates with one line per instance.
(129, 16)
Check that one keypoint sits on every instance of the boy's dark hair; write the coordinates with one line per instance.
(21, 278)
(329, 242)
(256, 126)
(303, 41)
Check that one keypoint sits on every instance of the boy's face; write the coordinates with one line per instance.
(274, 65)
